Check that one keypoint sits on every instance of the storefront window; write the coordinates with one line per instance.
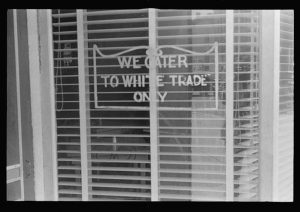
(190, 56)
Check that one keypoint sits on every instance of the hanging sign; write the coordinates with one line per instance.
(140, 80)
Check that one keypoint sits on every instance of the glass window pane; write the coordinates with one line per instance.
(13, 191)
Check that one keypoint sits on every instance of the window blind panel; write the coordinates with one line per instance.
(246, 101)
(66, 72)
(286, 107)
(191, 119)
(192, 141)
(119, 141)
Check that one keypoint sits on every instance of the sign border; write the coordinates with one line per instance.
(153, 54)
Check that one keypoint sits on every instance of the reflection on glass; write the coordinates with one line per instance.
(286, 106)
(191, 128)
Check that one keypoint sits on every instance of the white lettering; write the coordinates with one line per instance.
(196, 83)
(158, 62)
(180, 80)
(203, 83)
(115, 83)
(134, 80)
(162, 61)
(189, 81)
(173, 78)
(139, 80)
(105, 79)
(135, 60)
(141, 96)
(127, 80)
(137, 96)
(124, 60)
(162, 97)
(172, 60)
(144, 96)
(147, 62)
(159, 81)
(182, 60)
(144, 80)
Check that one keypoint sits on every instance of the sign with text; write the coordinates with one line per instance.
(131, 73)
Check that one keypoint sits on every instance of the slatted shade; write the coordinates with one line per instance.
(286, 107)
(67, 106)
(246, 105)
(191, 121)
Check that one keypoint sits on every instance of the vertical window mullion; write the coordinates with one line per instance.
(82, 105)
(52, 102)
(229, 106)
(16, 43)
(153, 106)
(269, 104)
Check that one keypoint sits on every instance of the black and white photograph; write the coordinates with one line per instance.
(150, 105)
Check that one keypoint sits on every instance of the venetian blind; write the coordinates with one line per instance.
(67, 105)
(246, 102)
(118, 139)
(286, 107)
(192, 118)
(118, 136)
